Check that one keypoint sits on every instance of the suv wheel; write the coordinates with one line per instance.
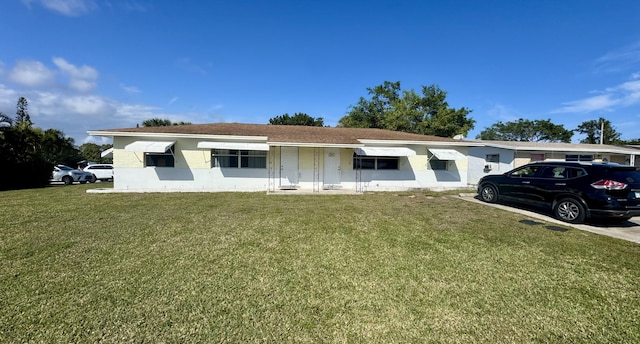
(489, 193)
(569, 210)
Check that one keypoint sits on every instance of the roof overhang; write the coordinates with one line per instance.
(385, 151)
(455, 143)
(313, 144)
(233, 145)
(149, 146)
(177, 136)
(446, 154)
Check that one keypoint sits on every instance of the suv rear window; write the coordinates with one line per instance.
(629, 176)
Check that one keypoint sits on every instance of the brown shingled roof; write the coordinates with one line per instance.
(287, 133)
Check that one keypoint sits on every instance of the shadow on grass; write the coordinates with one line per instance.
(549, 227)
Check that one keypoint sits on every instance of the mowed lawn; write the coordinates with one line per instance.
(250, 267)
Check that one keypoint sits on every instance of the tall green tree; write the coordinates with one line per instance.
(593, 131)
(93, 152)
(390, 107)
(160, 122)
(22, 112)
(298, 118)
(57, 148)
(21, 158)
(527, 130)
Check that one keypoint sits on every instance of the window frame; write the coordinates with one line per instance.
(239, 158)
(376, 163)
(436, 164)
(492, 158)
(153, 159)
(579, 157)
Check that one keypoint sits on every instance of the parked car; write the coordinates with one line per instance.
(101, 172)
(68, 175)
(575, 191)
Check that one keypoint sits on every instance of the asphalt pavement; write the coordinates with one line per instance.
(628, 230)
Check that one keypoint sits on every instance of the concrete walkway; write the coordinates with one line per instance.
(629, 230)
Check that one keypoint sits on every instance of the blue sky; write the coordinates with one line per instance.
(103, 64)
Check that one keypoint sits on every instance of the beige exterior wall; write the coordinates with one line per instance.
(123, 159)
(346, 158)
(305, 158)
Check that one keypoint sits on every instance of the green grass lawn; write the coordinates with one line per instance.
(250, 267)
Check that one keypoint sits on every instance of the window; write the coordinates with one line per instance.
(557, 172)
(527, 171)
(160, 159)
(375, 162)
(575, 157)
(436, 164)
(238, 158)
(537, 157)
(492, 158)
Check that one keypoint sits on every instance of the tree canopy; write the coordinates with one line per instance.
(297, 119)
(527, 130)
(28, 153)
(592, 130)
(404, 110)
(160, 122)
(93, 152)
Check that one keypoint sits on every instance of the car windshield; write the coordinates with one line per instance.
(63, 167)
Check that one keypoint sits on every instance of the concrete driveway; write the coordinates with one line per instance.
(629, 230)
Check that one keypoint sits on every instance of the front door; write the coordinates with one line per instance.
(331, 171)
(288, 167)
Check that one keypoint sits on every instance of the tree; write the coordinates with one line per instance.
(58, 149)
(593, 130)
(160, 122)
(21, 158)
(394, 109)
(297, 119)
(156, 122)
(634, 142)
(93, 152)
(527, 130)
(27, 153)
(22, 113)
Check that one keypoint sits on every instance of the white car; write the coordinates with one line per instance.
(68, 175)
(101, 172)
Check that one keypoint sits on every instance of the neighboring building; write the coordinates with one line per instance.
(492, 157)
(255, 157)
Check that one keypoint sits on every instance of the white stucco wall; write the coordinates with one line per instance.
(477, 161)
(193, 171)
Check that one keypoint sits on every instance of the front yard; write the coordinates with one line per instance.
(250, 267)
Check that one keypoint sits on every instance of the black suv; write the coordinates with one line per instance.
(574, 190)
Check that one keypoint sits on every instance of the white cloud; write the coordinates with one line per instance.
(130, 89)
(71, 8)
(619, 60)
(82, 79)
(502, 113)
(31, 73)
(63, 97)
(185, 63)
(623, 95)
(8, 99)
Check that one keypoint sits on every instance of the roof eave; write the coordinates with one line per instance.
(174, 135)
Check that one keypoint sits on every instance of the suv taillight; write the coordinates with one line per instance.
(609, 185)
